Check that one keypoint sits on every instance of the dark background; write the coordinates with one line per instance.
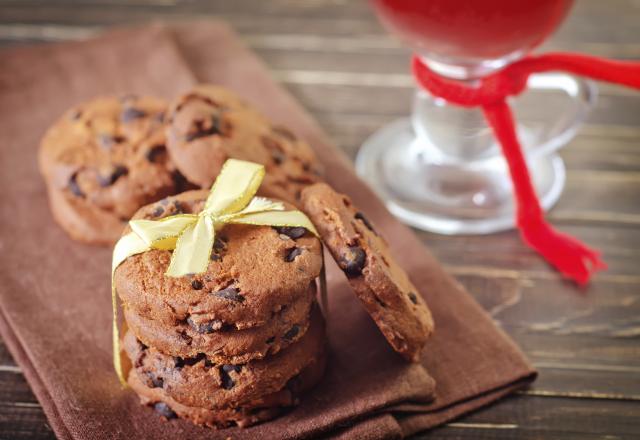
(335, 58)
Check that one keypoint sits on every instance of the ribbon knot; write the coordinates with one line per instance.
(191, 236)
(572, 258)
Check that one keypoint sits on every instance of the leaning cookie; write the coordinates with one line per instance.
(254, 272)
(102, 161)
(200, 382)
(384, 288)
(225, 344)
(210, 124)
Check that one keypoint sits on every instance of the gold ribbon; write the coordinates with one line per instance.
(231, 201)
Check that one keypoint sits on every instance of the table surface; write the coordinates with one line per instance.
(336, 59)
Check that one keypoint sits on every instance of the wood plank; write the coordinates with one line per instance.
(23, 421)
(533, 417)
(510, 258)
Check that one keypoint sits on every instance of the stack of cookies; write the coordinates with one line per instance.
(238, 343)
(235, 344)
(106, 158)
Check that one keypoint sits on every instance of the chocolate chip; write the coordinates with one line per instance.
(158, 211)
(227, 381)
(154, 381)
(278, 157)
(291, 231)
(292, 333)
(177, 207)
(117, 172)
(284, 132)
(219, 248)
(185, 337)
(178, 362)
(74, 187)
(106, 141)
(180, 182)
(360, 216)
(194, 360)
(197, 285)
(202, 130)
(140, 359)
(271, 340)
(413, 297)
(154, 153)
(131, 113)
(292, 254)
(230, 293)
(353, 260)
(219, 244)
(228, 368)
(206, 327)
(164, 410)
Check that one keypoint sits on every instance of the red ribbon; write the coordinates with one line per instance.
(571, 257)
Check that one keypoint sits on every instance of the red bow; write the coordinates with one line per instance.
(571, 257)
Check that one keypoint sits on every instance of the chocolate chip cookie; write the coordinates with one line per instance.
(254, 272)
(262, 409)
(210, 124)
(384, 288)
(102, 161)
(200, 382)
(223, 344)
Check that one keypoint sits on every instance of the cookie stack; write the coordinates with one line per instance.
(235, 344)
(106, 158)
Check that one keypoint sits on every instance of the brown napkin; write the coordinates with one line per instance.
(55, 300)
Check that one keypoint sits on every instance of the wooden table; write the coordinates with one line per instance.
(335, 58)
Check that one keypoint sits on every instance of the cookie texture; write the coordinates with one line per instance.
(384, 288)
(225, 344)
(102, 161)
(200, 382)
(254, 272)
(210, 124)
(262, 409)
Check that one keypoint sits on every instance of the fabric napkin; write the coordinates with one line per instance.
(55, 306)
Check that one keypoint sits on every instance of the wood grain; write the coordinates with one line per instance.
(336, 59)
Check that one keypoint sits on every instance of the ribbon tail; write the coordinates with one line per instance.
(128, 245)
(571, 257)
(625, 73)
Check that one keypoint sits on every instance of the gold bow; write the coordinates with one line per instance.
(191, 236)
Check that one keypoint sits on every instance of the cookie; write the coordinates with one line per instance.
(202, 383)
(210, 124)
(264, 408)
(384, 288)
(225, 345)
(253, 273)
(102, 161)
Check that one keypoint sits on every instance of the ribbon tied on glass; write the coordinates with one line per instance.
(567, 254)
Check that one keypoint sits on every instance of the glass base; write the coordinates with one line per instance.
(448, 198)
(442, 171)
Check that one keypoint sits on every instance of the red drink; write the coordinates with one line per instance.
(472, 30)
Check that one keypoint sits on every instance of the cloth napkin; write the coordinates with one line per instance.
(55, 306)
